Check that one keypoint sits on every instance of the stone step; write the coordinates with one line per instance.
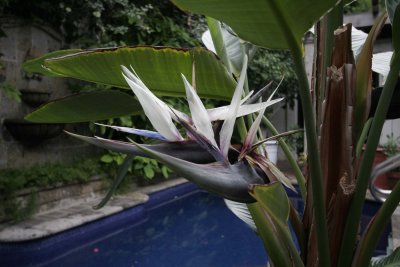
(78, 212)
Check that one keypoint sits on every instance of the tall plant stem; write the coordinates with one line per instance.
(309, 121)
(241, 126)
(313, 158)
(293, 164)
(350, 231)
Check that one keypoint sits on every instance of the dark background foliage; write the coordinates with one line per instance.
(111, 22)
(105, 23)
(102, 23)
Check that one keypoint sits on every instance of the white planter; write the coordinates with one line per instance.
(272, 150)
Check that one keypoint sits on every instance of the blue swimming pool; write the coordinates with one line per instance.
(179, 227)
(182, 226)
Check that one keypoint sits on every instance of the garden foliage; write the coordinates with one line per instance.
(335, 119)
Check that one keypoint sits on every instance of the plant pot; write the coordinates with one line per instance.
(382, 181)
(34, 98)
(393, 177)
(272, 150)
(30, 133)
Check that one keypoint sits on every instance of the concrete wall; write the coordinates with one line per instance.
(284, 119)
(26, 41)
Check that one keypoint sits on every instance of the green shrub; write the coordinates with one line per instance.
(41, 176)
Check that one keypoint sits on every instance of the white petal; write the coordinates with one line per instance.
(280, 175)
(276, 89)
(357, 40)
(246, 97)
(221, 113)
(145, 133)
(200, 117)
(381, 63)
(251, 134)
(207, 41)
(229, 123)
(156, 111)
(182, 116)
(242, 212)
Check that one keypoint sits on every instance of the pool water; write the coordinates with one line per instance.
(182, 226)
(195, 229)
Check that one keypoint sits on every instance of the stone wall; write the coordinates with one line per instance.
(26, 41)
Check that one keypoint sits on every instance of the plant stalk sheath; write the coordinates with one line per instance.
(350, 231)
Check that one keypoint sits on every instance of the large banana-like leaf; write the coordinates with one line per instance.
(159, 68)
(263, 22)
(93, 106)
(36, 65)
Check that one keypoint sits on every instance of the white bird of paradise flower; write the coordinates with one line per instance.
(212, 164)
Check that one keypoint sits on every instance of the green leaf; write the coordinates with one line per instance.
(374, 230)
(271, 215)
(363, 178)
(122, 171)
(138, 166)
(36, 65)
(273, 241)
(165, 171)
(159, 68)
(262, 22)
(391, 6)
(220, 47)
(107, 158)
(235, 50)
(11, 91)
(392, 260)
(395, 28)
(364, 77)
(148, 171)
(273, 199)
(93, 106)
